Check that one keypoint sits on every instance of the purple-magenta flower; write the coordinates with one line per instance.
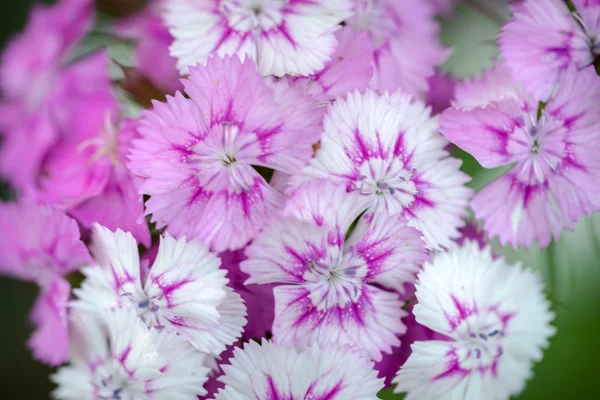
(198, 155)
(554, 148)
(293, 37)
(273, 371)
(330, 282)
(40, 244)
(545, 40)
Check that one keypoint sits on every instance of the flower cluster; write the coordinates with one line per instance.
(287, 218)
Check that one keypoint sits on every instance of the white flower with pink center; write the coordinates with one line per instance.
(282, 36)
(329, 276)
(199, 155)
(388, 149)
(273, 371)
(496, 317)
(115, 356)
(184, 291)
(553, 148)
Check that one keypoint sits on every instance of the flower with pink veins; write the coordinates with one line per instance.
(329, 282)
(283, 37)
(405, 40)
(197, 155)
(184, 291)
(151, 54)
(41, 244)
(118, 206)
(388, 149)
(545, 39)
(554, 149)
(273, 371)
(498, 320)
(115, 356)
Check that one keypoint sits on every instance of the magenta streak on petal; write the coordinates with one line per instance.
(224, 36)
(282, 29)
(120, 281)
(263, 139)
(330, 395)
(453, 367)
(272, 390)
(463, 313)
(169, 289)
(123, 358)
(374, 258)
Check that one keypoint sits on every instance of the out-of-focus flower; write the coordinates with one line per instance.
(118, 206)
(197, 155)
(115, 356)
(272, 371)
(184, 291)
(259, 301)
(545, 40)
(41, 244)
(405, 40)
(441, 92)
(151, 55)
(388, 149)
(555, 150)
(329, 291)
(281, 36)
(497, 317)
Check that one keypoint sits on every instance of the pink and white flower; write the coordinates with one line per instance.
(496, 316)
(388, 149)
(282, 36)
(115, 356)
(405, 40)
(197, 155)
(273, 371)
(41, 244)
(545, 39)
(554, 150)
(329, 289)
(184, 291)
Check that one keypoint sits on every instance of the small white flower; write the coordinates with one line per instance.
(115, 356)
(272, 371)
(184, 290)
(496, 317)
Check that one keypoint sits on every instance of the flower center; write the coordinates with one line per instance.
(106, 144)
(148, 311)
(253, 15)
(111, 382)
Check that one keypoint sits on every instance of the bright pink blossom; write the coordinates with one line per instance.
(545, 39)
(198, 155)
(41, 244)
(554, 148)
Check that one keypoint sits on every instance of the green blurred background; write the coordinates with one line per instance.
(571, 366)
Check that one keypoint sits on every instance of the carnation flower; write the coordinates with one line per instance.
(198, 155)
(272, 371)
(388, 149)
(330, 282)
(115, 356)
(496, 316)
(281, 36)
(405, 40)
(41, 244)
(554, 149)
(545, 39)
(184, 290)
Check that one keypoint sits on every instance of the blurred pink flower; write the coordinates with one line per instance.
(41, 244)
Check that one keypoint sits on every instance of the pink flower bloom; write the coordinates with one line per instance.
(184, 291)
(151, 54)
(443, 7)
(41, 244)
(118, 206)
(197, 154)
(495, 84)
(405, 39)
(556, 171)
(115, 356)
(545, 39)
(388, 149)
(496, 317)
(329, 291)
(259, 301)
(282, 36)
(441, 92)
(273, 371)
